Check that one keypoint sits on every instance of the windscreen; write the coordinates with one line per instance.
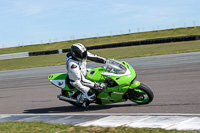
(113, 66)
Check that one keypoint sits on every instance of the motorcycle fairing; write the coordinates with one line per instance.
(134, 85)
(111, 94)
(101, 73)
(59, 80)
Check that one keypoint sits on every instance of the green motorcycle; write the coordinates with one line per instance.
(120, 78)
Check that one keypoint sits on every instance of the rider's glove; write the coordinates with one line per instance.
(99, 86)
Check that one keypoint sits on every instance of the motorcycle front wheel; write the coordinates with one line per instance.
(140, 95)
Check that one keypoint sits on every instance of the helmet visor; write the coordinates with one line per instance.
(81, 56)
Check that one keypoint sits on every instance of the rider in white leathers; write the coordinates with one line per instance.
(76, 67)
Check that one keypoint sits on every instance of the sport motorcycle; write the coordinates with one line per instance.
(120, 79)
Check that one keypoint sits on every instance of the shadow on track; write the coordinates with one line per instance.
(72, 109)
(93, 107)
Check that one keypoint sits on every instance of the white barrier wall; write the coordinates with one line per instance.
(14, 55)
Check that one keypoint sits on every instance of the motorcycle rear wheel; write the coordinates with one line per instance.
(140, 95)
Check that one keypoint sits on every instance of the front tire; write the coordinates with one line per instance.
(140, 95)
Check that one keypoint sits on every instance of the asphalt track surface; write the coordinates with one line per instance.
(174, 79)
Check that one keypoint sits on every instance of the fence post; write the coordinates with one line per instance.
(194, 24)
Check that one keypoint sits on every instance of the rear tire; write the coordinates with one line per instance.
(140, 95)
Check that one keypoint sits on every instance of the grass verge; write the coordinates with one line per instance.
(116, 53)
(106, 40)
(42, 127)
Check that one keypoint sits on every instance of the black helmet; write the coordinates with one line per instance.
(79, 51)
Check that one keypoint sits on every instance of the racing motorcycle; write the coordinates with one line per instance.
(120, 78)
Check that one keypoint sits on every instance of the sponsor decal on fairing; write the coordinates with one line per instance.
(59, 83)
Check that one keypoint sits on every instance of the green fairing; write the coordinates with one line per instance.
(59, 77)
(96, 75)
(112, 95)
(135, 85)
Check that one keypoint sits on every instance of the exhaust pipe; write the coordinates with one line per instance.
(64, 98)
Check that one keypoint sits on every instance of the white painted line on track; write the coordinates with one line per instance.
(53, 121)
(29, 118)
(114, 121)
(135, 120)
(158, 122)
(61, 120)
(106, 114)
(4, 116)
(190, 124)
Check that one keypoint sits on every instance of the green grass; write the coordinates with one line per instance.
(149, 50)
(106, 40)
(41, 127)
(116, 53)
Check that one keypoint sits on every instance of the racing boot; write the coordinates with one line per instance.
(85, 99)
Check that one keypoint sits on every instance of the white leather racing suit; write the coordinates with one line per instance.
(77, 72)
